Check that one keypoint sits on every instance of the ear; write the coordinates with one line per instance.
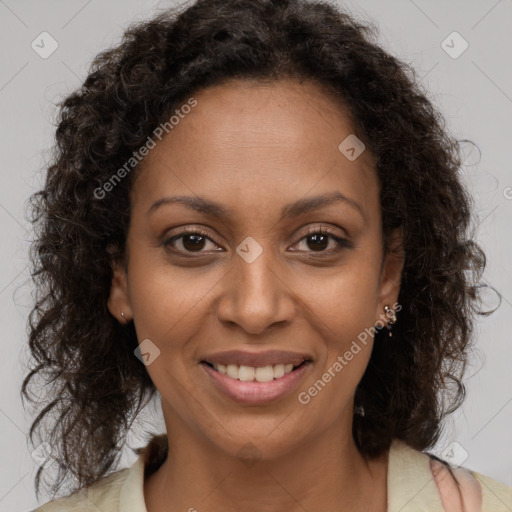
(391, 274)
(119, 300)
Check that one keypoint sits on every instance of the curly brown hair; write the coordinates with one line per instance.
(98, 386)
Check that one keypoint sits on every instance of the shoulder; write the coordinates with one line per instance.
(476, 490)
(416, 479)
(496, 496)
(119, 491)
(102, 495)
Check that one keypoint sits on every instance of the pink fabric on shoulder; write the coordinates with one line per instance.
(467, 499)
(471, 490)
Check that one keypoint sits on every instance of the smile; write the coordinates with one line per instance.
(255, 385)
(251, 373)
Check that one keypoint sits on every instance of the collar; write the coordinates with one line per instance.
(411, 486)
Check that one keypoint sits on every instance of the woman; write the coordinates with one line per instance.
(254, 212)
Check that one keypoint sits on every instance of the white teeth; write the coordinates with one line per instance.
(232, 371)
(278, 370)
(249, 373)
(246, 373)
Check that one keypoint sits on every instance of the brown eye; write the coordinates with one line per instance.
(188, 241)
(193, 242)
(317, 240)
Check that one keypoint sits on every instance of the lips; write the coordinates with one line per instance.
(255, 393)
(257, 359)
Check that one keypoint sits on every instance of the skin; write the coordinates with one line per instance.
(256, 147)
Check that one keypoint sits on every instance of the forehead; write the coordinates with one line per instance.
(259, 144)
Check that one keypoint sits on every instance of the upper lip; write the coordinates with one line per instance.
(257, 359)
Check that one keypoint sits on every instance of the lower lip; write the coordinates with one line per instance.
(257, 393)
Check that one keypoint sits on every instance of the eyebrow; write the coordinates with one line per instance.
(213, 209)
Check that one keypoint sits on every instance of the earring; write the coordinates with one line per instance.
(125, 321)
(392, 318)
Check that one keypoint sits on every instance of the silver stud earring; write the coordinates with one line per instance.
(122, 314)
(390, 313)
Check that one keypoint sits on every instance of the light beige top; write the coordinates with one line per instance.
(410, 486)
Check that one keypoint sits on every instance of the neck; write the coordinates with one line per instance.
(327, 473)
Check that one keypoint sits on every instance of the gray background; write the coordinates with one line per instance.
(473, 91)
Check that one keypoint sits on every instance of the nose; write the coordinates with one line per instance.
(257, 293)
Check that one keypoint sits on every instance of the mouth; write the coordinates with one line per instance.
(254, 386)
(245, 373)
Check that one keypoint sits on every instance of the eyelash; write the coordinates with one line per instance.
(343, 243)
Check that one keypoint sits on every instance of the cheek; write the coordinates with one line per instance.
(168, 315)
(169, 311)
(344, 312)
(343, 317)
(345, 301)
(170, 304)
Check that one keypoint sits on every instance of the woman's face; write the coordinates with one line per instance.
(254, 280)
